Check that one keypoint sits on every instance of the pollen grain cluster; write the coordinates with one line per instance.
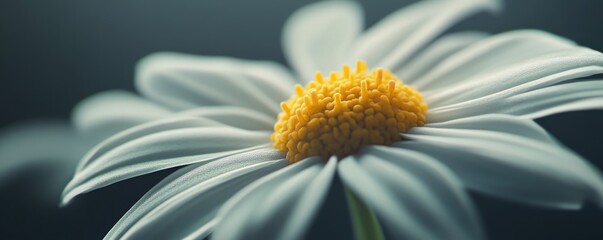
(339, 114)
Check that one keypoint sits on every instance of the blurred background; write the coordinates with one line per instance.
(55, 53)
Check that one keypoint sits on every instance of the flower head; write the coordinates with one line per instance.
(348, 110)
(405, 167)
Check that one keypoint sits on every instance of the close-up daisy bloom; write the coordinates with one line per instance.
(406, 116)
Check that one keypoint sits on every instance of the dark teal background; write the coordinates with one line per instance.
(55, 53)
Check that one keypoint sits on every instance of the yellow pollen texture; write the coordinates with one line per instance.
(338, 114)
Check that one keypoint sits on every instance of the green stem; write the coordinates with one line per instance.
(364, 221)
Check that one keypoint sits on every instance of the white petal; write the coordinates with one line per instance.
(247, 214)
(191, 213)
(435, 53)
(159, 151)
(276, 206)
(195, 176)
(162, 125)
(158, 192)
(309, 203)
(234, 116)
(189, 198)
(492, 122)
(512, 167)
(414, 196)
(535, 103)
(51, 144)
(492, 54)
(502, 66)
(531, 104)
(392, 41)
(316, 37)
(185, 81)
(113, 111)
(587, 104)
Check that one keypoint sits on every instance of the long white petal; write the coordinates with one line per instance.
(414, 196)
(113, 111)
(435, 53)
(494, 122)
(316, 37)
(492, 54)
(531, 104)
(159, 151)
(392, 41)
(153, 127)
(186, 81)
(247, 213)
(276, 206)
(188, 199)
(234, 116)
(512, 167)
(186, 178)
(587, 104)
(309, 203)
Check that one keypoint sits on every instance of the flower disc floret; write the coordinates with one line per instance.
(349, 109)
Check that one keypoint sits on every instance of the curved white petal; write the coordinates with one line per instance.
(492, 54)
(512, 167)
(185, 81)
(500, 67)
(257, 211)
(309, 203)
(192, 176)
(275, 207)
(51, 144)
(317, 37)
(531, 104)
(587, 104)
(159, 192)
(153, 127)
(159, 151)
(392, 41)
(234, 116)
(493, 122)
(435, 53)
(113, 111)
(413, 195)
(188, 199)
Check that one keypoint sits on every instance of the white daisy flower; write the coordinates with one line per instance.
(408, 134)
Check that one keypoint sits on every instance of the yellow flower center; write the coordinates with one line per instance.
(350, 109)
